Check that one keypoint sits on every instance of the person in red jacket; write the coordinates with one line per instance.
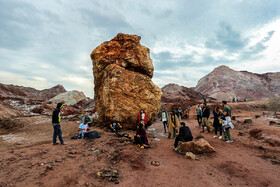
(142, 118)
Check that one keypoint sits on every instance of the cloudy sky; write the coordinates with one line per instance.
(48, 42)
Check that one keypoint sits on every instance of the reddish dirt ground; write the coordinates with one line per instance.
(248, 161)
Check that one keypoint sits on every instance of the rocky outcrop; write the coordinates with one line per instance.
(199, 146)
(224, 83)
(175, 95)
(70, 97)
(27, 92)
(122, 71)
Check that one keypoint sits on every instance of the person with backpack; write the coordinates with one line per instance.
(185, 135)
(217, 123)
(205, 117)
(56, 124)
(142, 118)
(164, 119)
(227, 124)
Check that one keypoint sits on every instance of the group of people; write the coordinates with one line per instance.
(172, 122)
(222, 120)
(236, 99)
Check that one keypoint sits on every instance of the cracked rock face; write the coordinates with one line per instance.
(122, 70)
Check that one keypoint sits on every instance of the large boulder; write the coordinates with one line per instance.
(122, 70)
(70, 97)
(197, 147)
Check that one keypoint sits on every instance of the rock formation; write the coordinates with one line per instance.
(122, 71)
(175, 95)
(70, 97)
(224, 83)
(199, 146)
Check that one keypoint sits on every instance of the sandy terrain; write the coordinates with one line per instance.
(27, 157)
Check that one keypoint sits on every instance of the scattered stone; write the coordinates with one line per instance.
(155, 163)
(261, 147)
(248, 121)
(49, 167)
(199, 146)
(240, 133)
(233, 118)
(257, 116)
(274, 162)
(272, 123)
(256, 133)
(190, 155)
(109, 174)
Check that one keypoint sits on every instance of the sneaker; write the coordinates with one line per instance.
(220, 137)
(64, 143)
(229, 141)
(55, 144)
(176, 149)
(142, 147)
(215, 136)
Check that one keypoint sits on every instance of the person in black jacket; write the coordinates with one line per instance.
(185, 135)
(205, 117)
(56, 124)
(217, 122)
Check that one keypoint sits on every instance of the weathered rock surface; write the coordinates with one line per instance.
(70, 97)
(122, 71)
(197, 147)
(224, 83)
(175, 95)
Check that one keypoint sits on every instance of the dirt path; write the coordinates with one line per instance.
(231, 165)
(246, 162)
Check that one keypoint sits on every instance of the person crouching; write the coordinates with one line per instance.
(141, 136)
(185, 135)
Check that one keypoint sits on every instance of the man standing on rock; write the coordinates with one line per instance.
(205, 117)
(227, 124)
(56, 124)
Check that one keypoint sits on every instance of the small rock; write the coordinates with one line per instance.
(190, 155)
(233, 118)
(155, 163)
(240, 133)
(257, 116)
(272, 123)
(98, 174)
(49, 167)
(248, 121)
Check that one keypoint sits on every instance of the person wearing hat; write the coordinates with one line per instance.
(56, 124)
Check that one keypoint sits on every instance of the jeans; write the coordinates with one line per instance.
(178, 138)
(227, 134)
(57, 132)
(198, 118)
(220, 129)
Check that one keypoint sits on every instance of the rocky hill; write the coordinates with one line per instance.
(175, 95)
(16, 91)
(224, 83)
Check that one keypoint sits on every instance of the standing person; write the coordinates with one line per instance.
(180, 112)
(164, 119)
(141, 136)
(233, 99)
(189, 109)
(198, 114)
(142, 118)
(205, 117)
(217, 122)
(227, 122)
(56, 124)
(173, 124)
(185, 135)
